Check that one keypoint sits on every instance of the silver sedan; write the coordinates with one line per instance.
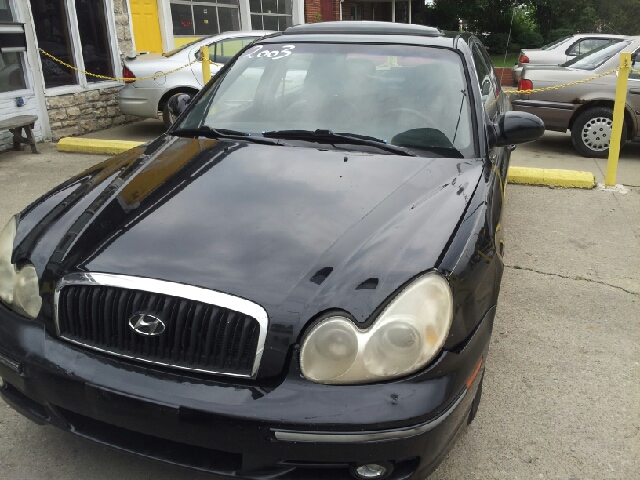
(561, 51)
(145, 98)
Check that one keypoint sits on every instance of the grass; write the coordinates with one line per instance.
(499, 61)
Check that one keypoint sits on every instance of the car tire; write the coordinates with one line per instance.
(476, 402)
(591, 132)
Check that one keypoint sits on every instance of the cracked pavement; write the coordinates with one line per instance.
(562, 384)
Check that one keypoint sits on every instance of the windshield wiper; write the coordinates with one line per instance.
(223, 133)
(327, 136)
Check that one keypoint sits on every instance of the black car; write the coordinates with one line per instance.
(298, 280)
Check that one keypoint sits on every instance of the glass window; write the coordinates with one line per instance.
(182, 18)
(52, 30)
(11, 69)
(204, 18)
(94, 38)
(589, 44)
(271, 14)
(595, 58)
(52, 26)
(222, 52)
(411, 96)
(229, 20)
(5, 11)
(11, 72)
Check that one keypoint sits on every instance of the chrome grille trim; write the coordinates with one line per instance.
(171, 289)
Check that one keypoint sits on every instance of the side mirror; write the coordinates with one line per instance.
(513, 128)
(486, 88)
(199, 55)
(634, 58)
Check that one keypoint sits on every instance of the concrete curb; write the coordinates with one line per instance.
(547, 176)
(95, 146)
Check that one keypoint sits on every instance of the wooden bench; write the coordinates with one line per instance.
(15, 125)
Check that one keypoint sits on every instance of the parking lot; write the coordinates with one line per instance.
(562, 384)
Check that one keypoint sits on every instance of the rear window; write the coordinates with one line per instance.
(595, 58)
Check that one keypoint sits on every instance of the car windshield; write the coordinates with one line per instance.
(596, 57)
(409, 96)
(553, 45)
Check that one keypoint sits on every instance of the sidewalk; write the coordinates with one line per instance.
(555, 150)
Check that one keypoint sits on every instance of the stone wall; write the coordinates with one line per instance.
(88, 111)
(125, 40)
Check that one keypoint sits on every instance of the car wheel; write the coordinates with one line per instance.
(476, 402)
(591, 132)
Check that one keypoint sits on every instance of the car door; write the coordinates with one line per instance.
(220, 52)
(633, 97)
(495, 104)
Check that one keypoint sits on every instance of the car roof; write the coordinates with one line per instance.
(596, 35)
(365, 32)
(363, 28)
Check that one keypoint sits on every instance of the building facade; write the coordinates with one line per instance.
(89, 35)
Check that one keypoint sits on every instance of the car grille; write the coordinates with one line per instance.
(197, 336)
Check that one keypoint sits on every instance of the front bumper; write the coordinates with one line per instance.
(286, 429)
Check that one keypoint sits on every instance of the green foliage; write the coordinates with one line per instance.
(496, 42)
(514, 48)
(530, 40)
(549, 18)
(559, 33)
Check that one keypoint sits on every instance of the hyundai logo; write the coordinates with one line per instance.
(146, 324)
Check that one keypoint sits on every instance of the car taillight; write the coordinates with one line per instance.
(523, 59)
(128, 75)
(524, 84)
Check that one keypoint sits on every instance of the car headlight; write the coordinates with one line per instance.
(18, 288)
(407, 335)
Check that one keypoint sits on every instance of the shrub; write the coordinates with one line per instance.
(514, 48)
(559, 33)
(496, 42)
(530, 40)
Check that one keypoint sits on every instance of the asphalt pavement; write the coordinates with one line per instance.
(562, 384)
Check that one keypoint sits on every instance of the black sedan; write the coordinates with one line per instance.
(298, 280)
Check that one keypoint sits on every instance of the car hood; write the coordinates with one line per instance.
(296, 230)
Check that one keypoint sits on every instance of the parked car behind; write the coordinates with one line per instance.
(585, 109)
(562, 51)
(297, 280)
(145, 98)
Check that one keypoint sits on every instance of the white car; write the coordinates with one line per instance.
(562, 50)
(145, 98)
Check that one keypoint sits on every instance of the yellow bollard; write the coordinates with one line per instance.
(206, 62)
(618, 120)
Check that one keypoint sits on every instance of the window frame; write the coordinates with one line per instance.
(579, 42)
(74, 36)
(207, 3)
(262, 15)
(28, 90)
